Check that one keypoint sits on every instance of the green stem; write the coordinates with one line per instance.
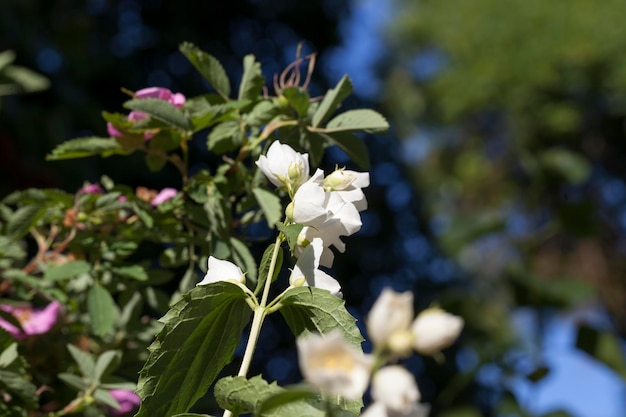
(259, 316)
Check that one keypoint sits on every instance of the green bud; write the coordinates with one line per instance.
(299, 282)
(338, 180)
(289, 211)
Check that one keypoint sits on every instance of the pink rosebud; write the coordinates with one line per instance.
(33, 321)
(127, 399)
(161, 93)
(91, 189)
(112, 131)
(164, 195)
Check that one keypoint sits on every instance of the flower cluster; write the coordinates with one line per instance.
(328, 207)
(160, 93)
(333, 366)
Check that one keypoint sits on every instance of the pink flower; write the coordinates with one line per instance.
(91, 189)
(33, 321)
(165, 94)
(164, 195)
(127, 399)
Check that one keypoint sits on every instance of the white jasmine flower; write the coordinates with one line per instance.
(219, 270)
(348, 186)
(434, 330)
(333, 366)
(284, 167)
(396, 388)
(309, 202)
(306, 271)
(389, 321)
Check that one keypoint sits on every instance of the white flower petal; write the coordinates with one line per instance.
(307, 267)
(396, 388)
(391, 313)
(220, 270)
(434, 330)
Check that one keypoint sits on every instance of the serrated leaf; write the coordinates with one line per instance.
(252, 80)
(161, 110)
(270, 204)
(310, 309)
(351, 145)
(209, 67)
(242, 395)
(361, 120)
(265, 267)
(66, 271)
(82, 147)
(84, 360)
(102, 310)
(23, 219)
(199, 337)
(331, 100)
(284, 397)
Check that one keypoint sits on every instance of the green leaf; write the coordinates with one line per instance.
(361, 120)
(298, 98)
(28, 80)
(132, 271)
(9, 355)
(209, 67)
(66, 271)
(74, 381)
(252, 80)
(191, 415)
(264, 269)
(331, 100)
(17, 384)
(244, 259)
(102, 310)
(270, 204)
(155, 161)
(571, 166)
(106, 363)
(6, 58)
(259, 397)
(160, 110)
(603, 346)
(351, 145)
(310, 309)
(23, 220)
(199, 337)
(225, 137)
(102, 396)
(82, 147)
(84, 360)
(291, 232)
(284, 397)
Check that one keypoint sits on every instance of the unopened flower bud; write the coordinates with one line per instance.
(298, 282)
(391, 313)
(289, 211)
(395, 387)
(338, 180)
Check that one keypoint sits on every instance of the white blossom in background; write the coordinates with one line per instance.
(220, 270)
(306, 271)
(435, 329)
(396, 388)
(284, 167)
(377, 409)
(333, 366)
(389, 321)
